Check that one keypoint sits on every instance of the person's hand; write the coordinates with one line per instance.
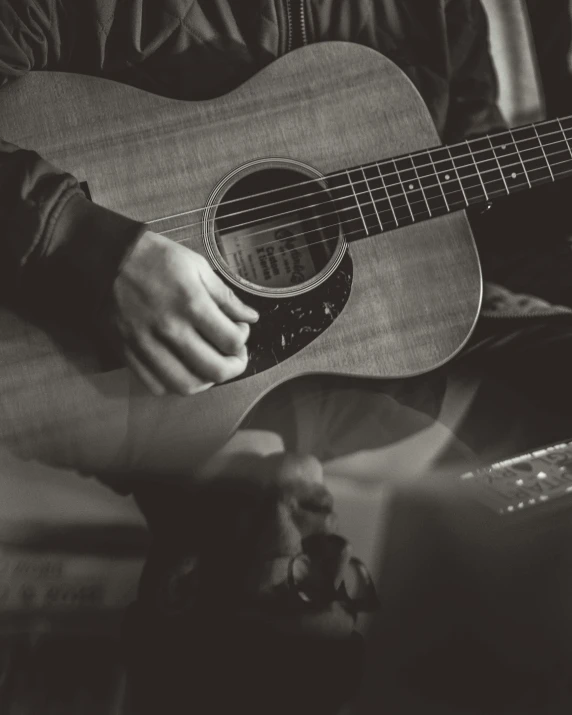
(180, 328)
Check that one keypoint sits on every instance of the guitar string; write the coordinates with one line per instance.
(456, 205)
(371, 191)
(384, 188)
(377, 210)
(425, 151)
(448, 160)
(408, 221)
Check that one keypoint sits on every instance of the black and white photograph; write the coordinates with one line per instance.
(285, 357)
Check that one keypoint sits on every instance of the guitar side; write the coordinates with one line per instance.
(415, 291)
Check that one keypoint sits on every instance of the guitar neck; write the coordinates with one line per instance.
(392, 193)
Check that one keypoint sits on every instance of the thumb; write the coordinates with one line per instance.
(227, 300)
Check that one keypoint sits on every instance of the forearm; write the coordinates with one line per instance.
(57, 249)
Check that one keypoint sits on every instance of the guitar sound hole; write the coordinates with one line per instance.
(276, 229)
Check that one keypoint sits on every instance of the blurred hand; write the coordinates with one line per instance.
(180, 328)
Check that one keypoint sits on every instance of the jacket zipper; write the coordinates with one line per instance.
(296, 25)
(303, 32)
(290, 29)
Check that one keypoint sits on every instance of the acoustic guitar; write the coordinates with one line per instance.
(318, 190)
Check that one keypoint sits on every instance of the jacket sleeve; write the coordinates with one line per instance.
(473, 107)
(58, 249)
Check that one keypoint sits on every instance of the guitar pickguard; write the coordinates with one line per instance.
(287, 325)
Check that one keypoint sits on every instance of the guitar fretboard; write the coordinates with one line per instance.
(389, 194)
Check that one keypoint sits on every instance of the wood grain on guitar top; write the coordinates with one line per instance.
(415, 291)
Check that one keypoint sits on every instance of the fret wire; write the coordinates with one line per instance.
(412, 185)
(563, 128)
(520, 157)
(421, 187)
(429, 181)
(477, 168)
(498, 162)
(387, 194)
(403, 189)
(439, 181)
(448, 178)
(438, 184)
(396, 190)
(564, 135)
(401, 209)
(553, 130)
(358, 204)
(372, 199)
(528, 159)
(381, 198)
(358, 177)
(457, 174)
(542, 148)
(509, 159)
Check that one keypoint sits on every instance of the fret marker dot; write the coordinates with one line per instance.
(513, 175)
(411, 187)
(503, 147)
(447, 177)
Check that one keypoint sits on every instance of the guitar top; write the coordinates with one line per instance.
(311, 192)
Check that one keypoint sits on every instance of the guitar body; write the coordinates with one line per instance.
(395, 304)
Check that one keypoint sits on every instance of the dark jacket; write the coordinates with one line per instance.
(196, 49)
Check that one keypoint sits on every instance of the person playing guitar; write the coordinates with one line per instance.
(176, 323)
